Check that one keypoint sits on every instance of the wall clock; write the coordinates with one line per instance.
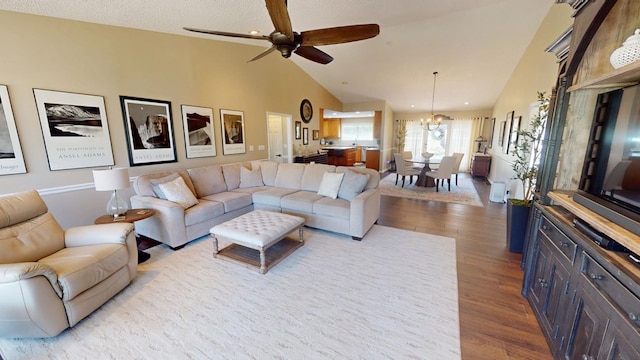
(306, 111)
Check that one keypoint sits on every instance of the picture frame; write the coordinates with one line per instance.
(507, 133)
(513, 136)
(199, 134)
(74, 128)
(501, 131)
(11, 158)
(298, 130)
(493, 129)
(232, 125)
(316, 134)
(305, 136)
(149, 130)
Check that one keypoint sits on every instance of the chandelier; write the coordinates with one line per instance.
(432, 119)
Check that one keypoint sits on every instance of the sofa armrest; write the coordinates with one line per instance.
(167, 225)
(364, 212)
(115, 233)
(26, 270)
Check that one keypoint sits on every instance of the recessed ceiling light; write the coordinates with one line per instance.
(412, 106)
(254, 32)
(466, 103)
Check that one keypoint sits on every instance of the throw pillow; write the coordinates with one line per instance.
(178, 192)
(162, 180)
(330, 184)
(250, 178)
(352, 184)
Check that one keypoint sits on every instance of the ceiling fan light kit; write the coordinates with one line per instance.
(286, 41)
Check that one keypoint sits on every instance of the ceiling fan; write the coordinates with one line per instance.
(285, 40)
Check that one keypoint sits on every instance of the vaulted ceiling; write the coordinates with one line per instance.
(473, 44)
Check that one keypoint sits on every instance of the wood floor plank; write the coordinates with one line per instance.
(496, 321)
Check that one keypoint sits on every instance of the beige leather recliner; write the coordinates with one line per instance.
(51, 278)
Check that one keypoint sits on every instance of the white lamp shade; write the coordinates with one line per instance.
(111, 179)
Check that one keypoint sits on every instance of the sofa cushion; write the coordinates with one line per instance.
(82, 267)
(165, 179)
(269, 171)
(231, 173)
(204, 211)
(178, 192)
(142, 184)
(330, 184)
(339, 208)
(289, 176)
(374, 175)
(250, 178)
(352, 184)
(312, 176)
(300, 201)
(271, 196)
(231, 200)
(207, 180)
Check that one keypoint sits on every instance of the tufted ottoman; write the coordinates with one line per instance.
(257, 230)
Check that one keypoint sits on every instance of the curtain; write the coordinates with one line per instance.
(414, 140)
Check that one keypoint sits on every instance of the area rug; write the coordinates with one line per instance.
(392, 295)
(463, 193)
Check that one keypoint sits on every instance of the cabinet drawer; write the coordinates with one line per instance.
(624, 300)
(566, 246)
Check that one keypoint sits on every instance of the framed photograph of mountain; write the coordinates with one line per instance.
(11, 159)
(74, 128)
(199, 138)
(232, 123)
(149, 127)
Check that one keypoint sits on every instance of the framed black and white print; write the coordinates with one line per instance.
(305, 136)
(199, 136)
(298, 130)
(503, 125)
(149, 129)
(11, 159)
(493, 129)
(513, 136)
(74, 128)
(232, 124)
(507, 132)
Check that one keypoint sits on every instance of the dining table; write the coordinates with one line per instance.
(423, 179)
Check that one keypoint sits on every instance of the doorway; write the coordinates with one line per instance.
(280, 146)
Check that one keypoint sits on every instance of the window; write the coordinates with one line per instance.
(356, 130)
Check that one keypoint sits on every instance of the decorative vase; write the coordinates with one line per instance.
(517, 218)
(628, 53)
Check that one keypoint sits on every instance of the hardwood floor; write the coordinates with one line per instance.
(496, 321)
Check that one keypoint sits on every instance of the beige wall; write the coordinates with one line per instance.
(54, 54)
(536, 71)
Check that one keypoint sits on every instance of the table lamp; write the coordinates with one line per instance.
(113, 180)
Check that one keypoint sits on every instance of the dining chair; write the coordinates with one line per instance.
(404, 170)
(456, 167)
(444, 171)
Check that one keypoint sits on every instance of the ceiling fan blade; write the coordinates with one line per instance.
(280, 17)
(339, 35)
(222, 33)
(263, 54)
(313, 54)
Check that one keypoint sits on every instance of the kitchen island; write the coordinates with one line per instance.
(341, 155)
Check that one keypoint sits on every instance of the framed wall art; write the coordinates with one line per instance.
(74, 128)
(507, 132)
(305, 136)
(513, 136)
(149, 129)
(316, 134)
(298, 130)
(493, 129)
(503, 125)
(199, 136)
(11, 159)
(232, 124)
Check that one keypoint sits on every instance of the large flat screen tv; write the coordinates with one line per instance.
(613, 190)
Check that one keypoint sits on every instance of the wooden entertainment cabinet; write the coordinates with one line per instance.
(586, 298)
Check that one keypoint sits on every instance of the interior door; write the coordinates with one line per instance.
(279, 138)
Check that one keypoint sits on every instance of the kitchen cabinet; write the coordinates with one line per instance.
(373, 159)
(377, 124)
(330, 128)
(341, 155)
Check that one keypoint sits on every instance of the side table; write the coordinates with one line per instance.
(130, 216)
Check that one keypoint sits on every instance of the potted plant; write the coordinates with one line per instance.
(527, 151)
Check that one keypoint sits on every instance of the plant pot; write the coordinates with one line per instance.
(517, 218)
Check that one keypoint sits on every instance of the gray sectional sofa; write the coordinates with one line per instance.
(218, 193)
